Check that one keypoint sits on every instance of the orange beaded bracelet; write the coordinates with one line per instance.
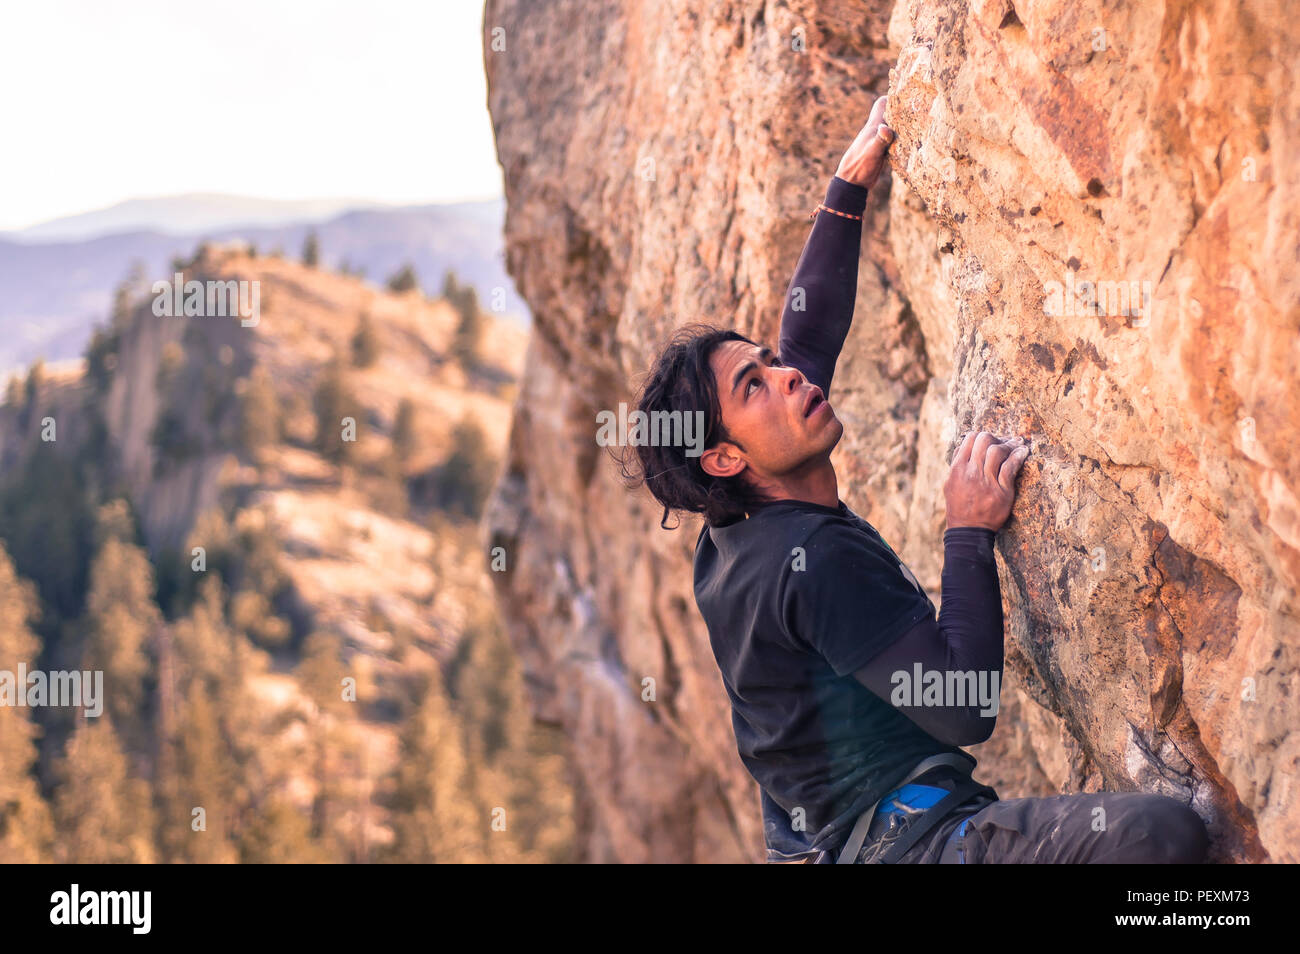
(823, 205)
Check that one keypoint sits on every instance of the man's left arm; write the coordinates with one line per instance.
(820, 300)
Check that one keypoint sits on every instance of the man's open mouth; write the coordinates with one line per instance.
(815, 402)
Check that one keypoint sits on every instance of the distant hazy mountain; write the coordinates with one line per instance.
(186, 215)
(53, 293)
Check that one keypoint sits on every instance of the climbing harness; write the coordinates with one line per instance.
(918, 796)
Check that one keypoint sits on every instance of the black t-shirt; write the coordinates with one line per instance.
(797, 598)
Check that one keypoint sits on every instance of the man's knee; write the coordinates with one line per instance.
(1162, 830)
(1188, 839)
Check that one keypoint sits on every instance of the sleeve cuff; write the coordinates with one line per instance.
(845, 196)
(969, 541)
(899, 627)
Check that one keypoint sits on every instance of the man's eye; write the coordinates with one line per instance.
(748, 383)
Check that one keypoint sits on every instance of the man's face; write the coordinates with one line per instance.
(783, 422)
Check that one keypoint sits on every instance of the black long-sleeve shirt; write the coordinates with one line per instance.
(968, 634)
(812, 616)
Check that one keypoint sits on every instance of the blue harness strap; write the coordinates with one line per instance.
(914, 796)
(957, 835)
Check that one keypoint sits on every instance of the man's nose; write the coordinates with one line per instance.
(794, 379)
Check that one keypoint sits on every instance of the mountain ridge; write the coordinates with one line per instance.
(188, 213)
(55, 292)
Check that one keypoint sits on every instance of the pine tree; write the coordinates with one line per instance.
(123, 298)
(259, 413)
(207, 782)
(35, 379)
(469, 329)
(404, 432)
(404, 280)
(515, 769)
(210, 734)
(121, 620)
(365, 343)
(101, 352)
(333, 402)
(26, 826)
(337, 806)
(465, 478)
(47, 520)
(488, 689)
(102, 812)
(311, 250)
(280, 833)
(436, 816)
(32, 391)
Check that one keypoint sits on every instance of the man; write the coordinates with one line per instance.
(820, 631)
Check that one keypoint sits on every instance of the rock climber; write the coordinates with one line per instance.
(816, 623)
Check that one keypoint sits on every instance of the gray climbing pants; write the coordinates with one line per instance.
(1096, 828)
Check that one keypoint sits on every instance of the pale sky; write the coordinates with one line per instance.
(105, 100)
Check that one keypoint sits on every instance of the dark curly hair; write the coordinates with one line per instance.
(682, 380)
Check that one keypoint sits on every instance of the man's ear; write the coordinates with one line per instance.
(722, 460)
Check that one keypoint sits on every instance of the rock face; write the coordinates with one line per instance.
(1088, 238)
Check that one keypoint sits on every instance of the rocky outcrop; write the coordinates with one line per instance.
(206, 426)
(1057, 165)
